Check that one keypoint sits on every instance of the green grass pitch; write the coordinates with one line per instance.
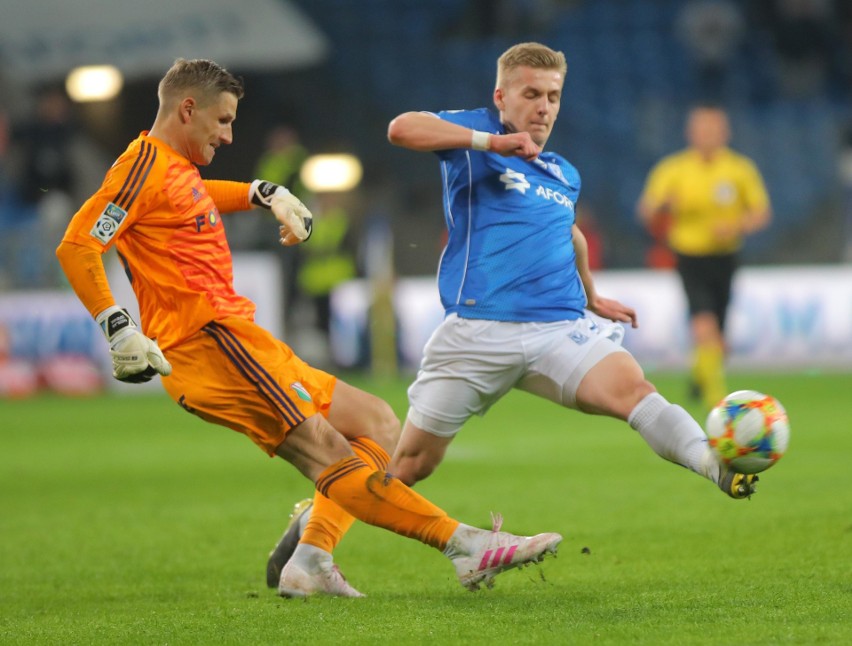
(128, 521)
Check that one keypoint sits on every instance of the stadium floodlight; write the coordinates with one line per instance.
(94, 83)
(331, 173)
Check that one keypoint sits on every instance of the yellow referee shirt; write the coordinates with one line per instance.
(703, 195)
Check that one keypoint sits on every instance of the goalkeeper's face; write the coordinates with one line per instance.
(209, 126)
(529, 100)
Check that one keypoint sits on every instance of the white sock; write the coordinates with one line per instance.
(674, 435)
(463, 541)
(310, 557)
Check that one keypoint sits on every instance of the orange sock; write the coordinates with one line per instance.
(328, 522)
(379, 499)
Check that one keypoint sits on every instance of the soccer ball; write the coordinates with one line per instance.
(749, 431)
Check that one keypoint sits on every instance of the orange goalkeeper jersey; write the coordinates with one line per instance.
(164, 221)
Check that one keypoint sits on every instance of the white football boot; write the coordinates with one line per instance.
(312, 571)
(479, 555)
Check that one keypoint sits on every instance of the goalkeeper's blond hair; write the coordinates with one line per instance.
(204, 79)
(533, 55)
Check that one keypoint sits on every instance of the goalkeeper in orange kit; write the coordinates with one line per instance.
(200, 336)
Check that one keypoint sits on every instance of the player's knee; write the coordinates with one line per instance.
(642, 389)
(385, 427)
(629, 395)
(411, 469)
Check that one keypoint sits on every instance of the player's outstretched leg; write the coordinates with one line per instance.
(675, 436)
(480, 555)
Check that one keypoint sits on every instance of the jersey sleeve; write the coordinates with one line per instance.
(754, 190)
(475, 119)
(125, 194)
(658, 186)
(229, 196)
(480, 119)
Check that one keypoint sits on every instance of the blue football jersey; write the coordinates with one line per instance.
(509, 254)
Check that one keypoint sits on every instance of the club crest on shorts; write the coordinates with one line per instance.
(578, 337)
(301, 391)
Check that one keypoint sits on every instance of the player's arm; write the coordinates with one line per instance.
(655, 204)
(229, 196)
(755, 220)
(135, 357)
(294, 219)
(604, 307)
(425, 132)
(759, 212)
(104, 218)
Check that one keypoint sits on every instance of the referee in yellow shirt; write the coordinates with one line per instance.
(711, 197)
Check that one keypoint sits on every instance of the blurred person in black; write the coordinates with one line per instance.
(46, 181)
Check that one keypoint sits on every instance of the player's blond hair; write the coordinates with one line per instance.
(206, 79)
(533, 55)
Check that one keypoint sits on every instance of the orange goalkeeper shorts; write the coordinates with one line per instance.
(236, 374)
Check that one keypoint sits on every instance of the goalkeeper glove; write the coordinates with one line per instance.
(294, 217)
(135, 357)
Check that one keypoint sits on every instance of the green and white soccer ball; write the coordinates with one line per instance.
(749, 431)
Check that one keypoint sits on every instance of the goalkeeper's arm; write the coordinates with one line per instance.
(135, 357)
(294, 218)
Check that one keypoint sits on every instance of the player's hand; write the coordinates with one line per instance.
(294, 218)
(611, 309)
(514, 144)
(135, 357)
(727, 231)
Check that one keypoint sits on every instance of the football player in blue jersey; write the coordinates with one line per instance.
(515, 283)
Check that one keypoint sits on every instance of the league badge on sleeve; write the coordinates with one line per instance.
(108, 223)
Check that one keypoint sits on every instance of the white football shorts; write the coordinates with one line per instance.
(469, 364)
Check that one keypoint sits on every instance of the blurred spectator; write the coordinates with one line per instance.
(588, 223)
(512, 18)
(707, 198)
(712, 31)
(804, 37)
(46, 143)
(328, 258)
(281, 162)
(46, 184)
(845, 172)
(8, 208)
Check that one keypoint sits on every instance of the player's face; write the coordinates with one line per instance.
(210, 127)
(529, 101)
(707, 129)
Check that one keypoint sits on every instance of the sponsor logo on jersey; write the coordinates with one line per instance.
(196, 194)
(206, 219)
(301, 391)
(108, 222)
(554, 196)
(515, 181)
